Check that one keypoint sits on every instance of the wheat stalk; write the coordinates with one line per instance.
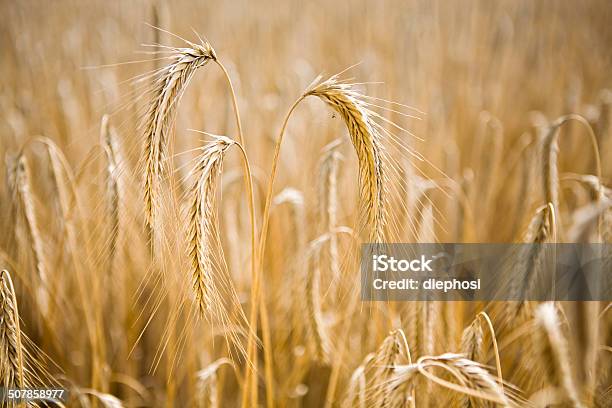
(550, 178)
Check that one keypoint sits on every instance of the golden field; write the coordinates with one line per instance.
(186, 185)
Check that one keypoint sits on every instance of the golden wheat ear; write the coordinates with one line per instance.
(21, 184)
(366, 140)
(392, 352)
(207, 383)
(11, 349)
(201, 222)
(328, 202)
(109, 144)
(170, 83)
(555, 352)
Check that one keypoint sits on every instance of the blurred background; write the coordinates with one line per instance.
(482, 79)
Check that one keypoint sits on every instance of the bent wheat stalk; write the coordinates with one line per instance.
(550, 153)
(349, 103)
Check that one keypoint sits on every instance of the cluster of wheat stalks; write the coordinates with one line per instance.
(148, 264)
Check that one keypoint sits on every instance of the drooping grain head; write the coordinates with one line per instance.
(367, 141)
(532, 256)
(391, 353)
(25, 199)
(553, 348)
(472, 376)
(541, 227)
(356, 390)
(170, 84)
(206, 384)
(11, 352)
(472, 341)
(201, 222)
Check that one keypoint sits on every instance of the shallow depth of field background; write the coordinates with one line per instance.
(483, 78)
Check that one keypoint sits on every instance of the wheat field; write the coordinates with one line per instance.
(185, 187)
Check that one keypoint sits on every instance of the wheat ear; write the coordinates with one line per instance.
(541, 230)
(169, 86)
(472, 341)
(555, 351)
(11, 351)
(367, 141)
(328, 201)
(107, 400)
(472, 347)
(473, 380)
(207, 383)
(22, 188)
(109, 143)
(357, 386)
(314, 313)
(392, 352)
(476, 381)
(201, 221)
